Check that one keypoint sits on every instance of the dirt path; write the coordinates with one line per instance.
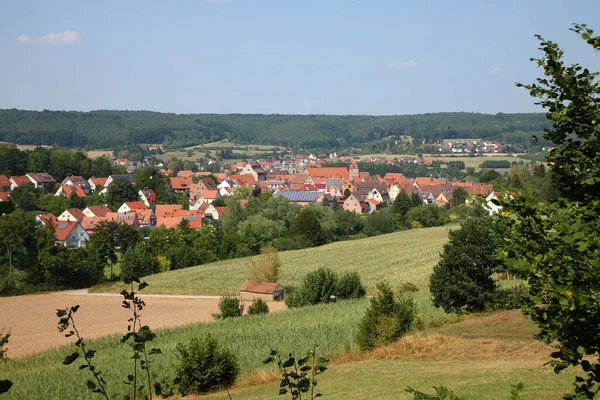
(32, 319)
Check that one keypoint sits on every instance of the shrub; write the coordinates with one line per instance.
(258, 306)
(265, 268)
(164, 264)
(511, 298)
(229, 307)
(428, 215)
(349, 286)
(379, 223)
(204, 366)
(296, 242)
(317, 287)
(462, 280)
(3, 342)
(408, 287)
(388, 318)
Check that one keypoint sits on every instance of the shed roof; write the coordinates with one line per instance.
(261, 287)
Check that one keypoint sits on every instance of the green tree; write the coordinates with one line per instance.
(416, 199)
(387, 318)
(24, 197)
(556, 247)
(459, 195)
(402, 203)
(101, 167)
(462, 280)
(120, 191)
(428, 215)
(379, 223)
(307, 225)
(138, 261)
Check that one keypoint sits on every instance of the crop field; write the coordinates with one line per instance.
(479, 358)
(406, 256)
(332, 326)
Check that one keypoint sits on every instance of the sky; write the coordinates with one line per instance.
(378, 57)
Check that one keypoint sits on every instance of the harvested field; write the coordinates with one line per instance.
(32, 319)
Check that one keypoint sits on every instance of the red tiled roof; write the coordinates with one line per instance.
(68, 189)
(63, 228)
(4, 196)
(329, 172)
(89, 223)
(99, 211)
(4, 181)
(257, 287)
(21, 180)
(163, 210)
(181, 183)
(76, 213)
(100, 181)
(209, 194)
(136, 205)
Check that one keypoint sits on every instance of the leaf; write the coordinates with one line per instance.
(155, 351)
(84, 366)
(142, 285)
(90, 353)
(282, 391)
(306, 368)
(71, 358)
(268, 360)
(75, 308)
(5, 386)
(288, 363)
(91, 385)
(61, 313)
(157, 388)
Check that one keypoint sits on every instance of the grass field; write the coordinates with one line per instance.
(479, 358)
(474, 162)
(406, 256)
(332, 326)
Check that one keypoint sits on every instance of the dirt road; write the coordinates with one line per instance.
(32, 319)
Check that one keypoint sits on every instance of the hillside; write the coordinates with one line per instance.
(405, 256)
(107, 129)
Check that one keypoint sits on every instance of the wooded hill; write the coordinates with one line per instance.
(107, 129)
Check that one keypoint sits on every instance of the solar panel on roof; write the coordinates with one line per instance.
(191, 217)
(124, 217)
(62, 226)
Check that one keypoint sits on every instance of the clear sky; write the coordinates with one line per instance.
(281, 56)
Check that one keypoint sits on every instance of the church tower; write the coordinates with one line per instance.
(353, 170)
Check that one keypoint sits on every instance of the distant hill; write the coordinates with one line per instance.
(108, 129)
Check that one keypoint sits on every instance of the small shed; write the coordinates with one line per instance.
(267, 291)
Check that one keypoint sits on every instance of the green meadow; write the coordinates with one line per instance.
(406, 256)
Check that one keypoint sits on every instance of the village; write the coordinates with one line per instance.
(299, 180)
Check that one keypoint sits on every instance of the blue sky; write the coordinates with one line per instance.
(281, 56)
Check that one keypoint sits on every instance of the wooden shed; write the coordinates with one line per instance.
(267, 291)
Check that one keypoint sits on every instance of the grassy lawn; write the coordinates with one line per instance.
(406, 256)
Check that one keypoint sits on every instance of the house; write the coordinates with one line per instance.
(266, 291)
(70, 233)
(96, 211)
(301, 197)
(89, 223)
(67, 190)
(128, 218)
(16, 181)
(329, 173)
(4, 196)
(132, 206)
(4, 183)
(77, 181)
(41, 180)
(164, 210)
(181, 184)
(204, 196)
(353, 203)
(201, 188)
(97, 184)
(193, 218)
(113, 178)
(148, 197)
(145, 217)
(71, 214)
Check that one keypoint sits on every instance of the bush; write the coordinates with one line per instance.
(408, 287)
(379, 223)
(317, 287)
(462, 280)
(3, 342)
(349, 286)
(428, 215)
(258, 306)
(204, 366)
(265, 268)
(229, 307)
(296, 242)
(509, 299)
(388, 318)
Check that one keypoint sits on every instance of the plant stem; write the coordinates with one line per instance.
(89, 363)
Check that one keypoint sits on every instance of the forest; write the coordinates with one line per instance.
(110, 129)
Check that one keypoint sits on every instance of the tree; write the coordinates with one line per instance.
(307, 224)
(459, 195)
(101, 167)
(265, 268)
(427, 215)
(24, 197)
(556, 247)
(379, 223)
(138, 261)
(387, 318)
(120, 191)
(318, 286)
(416, 199)
(462, 280)
(402, 203)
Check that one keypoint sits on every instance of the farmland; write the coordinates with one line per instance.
(406, 256)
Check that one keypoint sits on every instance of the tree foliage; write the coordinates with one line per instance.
(556, 247)
(462, 280)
